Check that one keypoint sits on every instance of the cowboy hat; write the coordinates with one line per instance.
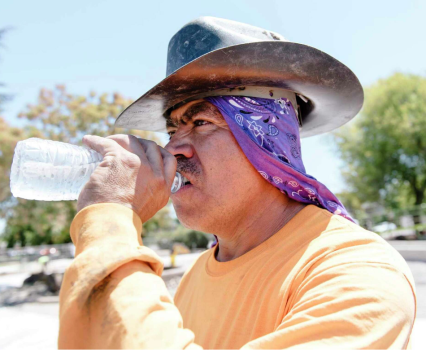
(213, 56)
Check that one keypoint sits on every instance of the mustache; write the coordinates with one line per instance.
(187, 166)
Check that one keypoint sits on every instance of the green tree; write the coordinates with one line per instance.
(194, 239)
(165, 238)
(351, 201)
(384, 149)
(9, 136)
(57, 115)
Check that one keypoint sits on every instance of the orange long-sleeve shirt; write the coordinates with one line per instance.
(320, 282)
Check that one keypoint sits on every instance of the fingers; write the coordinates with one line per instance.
(170, 165)
(131, 144)
(152, 151)
(99, 144)
(148, 151)
(122, 177)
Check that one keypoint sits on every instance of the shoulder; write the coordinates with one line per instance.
(341, 246)
(336, 233)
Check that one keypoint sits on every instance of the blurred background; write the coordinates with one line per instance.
(69, 68)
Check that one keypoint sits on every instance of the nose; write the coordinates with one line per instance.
(180, 148)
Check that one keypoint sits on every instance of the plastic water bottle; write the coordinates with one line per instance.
(53, 171)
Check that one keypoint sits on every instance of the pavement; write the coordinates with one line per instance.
(35, 325)
(413, 250)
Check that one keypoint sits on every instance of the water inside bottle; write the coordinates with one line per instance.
(46, 170)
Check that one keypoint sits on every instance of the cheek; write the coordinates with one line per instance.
(225, 163)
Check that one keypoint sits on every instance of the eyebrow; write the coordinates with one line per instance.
(192, 112)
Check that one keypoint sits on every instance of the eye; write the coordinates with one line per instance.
(201, 122)
(171, 133)
(196, 123)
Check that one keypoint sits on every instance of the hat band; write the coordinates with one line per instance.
(251, 91)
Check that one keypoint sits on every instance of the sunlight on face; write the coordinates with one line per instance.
(222, 180)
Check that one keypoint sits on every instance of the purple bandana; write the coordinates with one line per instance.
(267, 131)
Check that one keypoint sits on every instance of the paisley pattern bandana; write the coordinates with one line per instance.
(267, 131)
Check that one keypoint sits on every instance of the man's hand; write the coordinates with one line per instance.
(136, 173)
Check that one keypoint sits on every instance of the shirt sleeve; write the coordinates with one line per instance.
(112, 295)
(349, 299)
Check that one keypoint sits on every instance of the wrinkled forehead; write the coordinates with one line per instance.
(186, 113)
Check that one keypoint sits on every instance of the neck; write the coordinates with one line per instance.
(256, 226)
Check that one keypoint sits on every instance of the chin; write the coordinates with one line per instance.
(191, 218)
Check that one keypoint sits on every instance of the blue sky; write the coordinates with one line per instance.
(121, 46)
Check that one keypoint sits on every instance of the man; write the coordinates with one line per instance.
(290, 269)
